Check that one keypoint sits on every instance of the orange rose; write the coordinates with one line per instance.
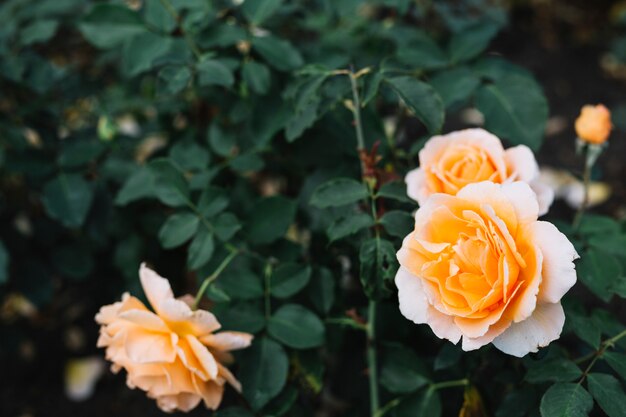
(172, 354)
(479, 266)
(594, 124)
(450, 162)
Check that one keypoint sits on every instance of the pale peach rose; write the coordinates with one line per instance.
(480, 266)
(450, 162)
(594, 124)
(172, 353)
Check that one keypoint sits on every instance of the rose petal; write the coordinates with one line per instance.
(182, 319)
(227, 341)
(522, 163)
(544, 326)
(156, 287)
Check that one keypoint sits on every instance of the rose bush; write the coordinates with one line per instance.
(270, 157)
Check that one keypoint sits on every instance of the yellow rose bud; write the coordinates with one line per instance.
(594, 124)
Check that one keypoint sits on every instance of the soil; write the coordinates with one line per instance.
(564, 53)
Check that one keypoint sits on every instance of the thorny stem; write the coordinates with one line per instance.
(609, 343)
(192, 44)
(586, 182)
(208, 280)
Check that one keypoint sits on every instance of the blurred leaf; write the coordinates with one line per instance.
(213, 200)
(455, 85)
(617, 361)
(566, 400)
(277, 52)
(338, 192)
(586, 329)
(270, 219)
(422, 53)
(262, 371)
(397, 223)
(4, 263)
(73, 261)
(108, 25)
(425, 403)
(170, 186)
(140, 51)
(592, 224)
(348, 225)
(518, 403)
(395, 190)
(256, 75)
(67, 198)
(176, 78)
(448, 356)
(471, 42)
(402, 371)
(249, 162)
(421, 99)
(189, 155)
(372, 85)
(257, 11)
(214, 72)
(553, 370)
(201, 249)
(137, 186)
(222, 143)
(177, 229)
(614, 243)
(77, 152)
(296, 327)
(241, 283)
(609, 394)
(322, 290)
(515, 109)
(288, 279)
(378, 266)
(158, 16)
(241, 317)
(226, 225)
(599, 271)
(38, 31)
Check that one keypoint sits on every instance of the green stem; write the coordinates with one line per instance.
(356, 111)
(208, 280)
(448, 384)
(267, 278)
(192, 44)
(385, 409)
(586, 182)
(609, 343)
(372, 364)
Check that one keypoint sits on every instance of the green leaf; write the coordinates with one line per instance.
(402, 371)
(170, 185)
(372, 85)
(242, 317)
(471, 42)
(108, 25)
(212, 201)
(288, 279)
(214, 72)
(397, 223)
(455, 85)
(395, 190)
(586, 329)
(188, 155)
(226, 225)
(222, 143)
(175, 78)
(75, 153)
(234, 412)
(515, 109)
(614, 243)
(257, 76)
(301, 120)
(348, 225)
(609, 394)
(448, 356)
(378, 266)
(158, 16)
(426, 403)
(339, 192)
(140, 51)
(592, 224)
(422, 53)
(241, 283)
(137, 186)
(67, 198)
(553, 370)
(262, 371)
(278, 53)
(296, 327)
(518, 403)
(421, 99)
(4, 263)
(257, 11)
(270, 219)
(73, 261)
(322, 290)
(599, 271)
(177, 229)
(201, 249)
(38, 31)
(566, 400)
(617, 361)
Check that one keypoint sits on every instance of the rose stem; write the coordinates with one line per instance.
(586, 181)
(208, 280)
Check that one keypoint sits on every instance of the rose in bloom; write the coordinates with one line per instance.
(594, 124)
(481, 267)
(172, 353)
(450, 162)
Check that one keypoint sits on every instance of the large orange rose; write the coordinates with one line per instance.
(171, 354)
(450, 162)
(479, 266)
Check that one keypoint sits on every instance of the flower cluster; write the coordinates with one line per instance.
(479, 266)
